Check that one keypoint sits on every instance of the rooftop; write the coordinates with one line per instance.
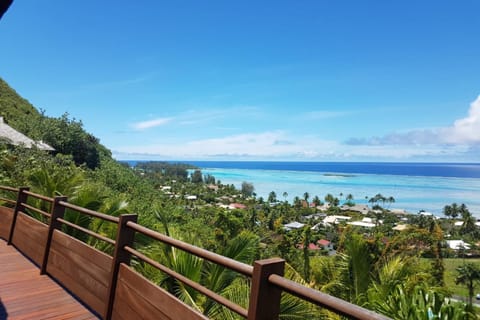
(16, 138)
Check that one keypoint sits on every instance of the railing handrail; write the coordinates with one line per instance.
(32, 208)
(38, 196)
(232, 264)
(267, 277)
(6, 188)
(68, 205)
(324, 300)
(89, 212)
(8, 200)
(86, 231)
(10, 189)
(195, 285)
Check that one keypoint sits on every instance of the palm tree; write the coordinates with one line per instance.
(329, 275)
(306, 195)
(297, 202)
(393, 272)
(377, 198)
(420, 303)
(463, 208)
(285, 195)
(455, 210)
(349, 274)
(217, 278)
(349, 200)
(468, 275)
(468, 225)
(113, 206)
(291, 308)
(316, 201)
(51, 181)
(390, 200)
(360, 267)
(272, 197)
(447, 211)
(330, 199)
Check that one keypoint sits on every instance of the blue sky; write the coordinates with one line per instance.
(255, 80)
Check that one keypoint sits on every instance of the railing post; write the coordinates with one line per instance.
(125, 237)
(264, 297)
(56, 212)
(21, 198)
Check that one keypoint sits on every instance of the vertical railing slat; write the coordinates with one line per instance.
(21, 198)
(265, 297)
(125, 237)
(56, 212)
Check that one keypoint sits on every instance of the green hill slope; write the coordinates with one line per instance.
(15, 110)
(64, 134)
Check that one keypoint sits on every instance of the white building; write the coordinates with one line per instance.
(293, 225)
(335, 219)
(458, 244)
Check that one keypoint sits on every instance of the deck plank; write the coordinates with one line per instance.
(25, 294)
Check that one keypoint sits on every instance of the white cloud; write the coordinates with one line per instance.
(459, 142)
(464, 131)
(150, 123)
(249, 145)
(277, 145)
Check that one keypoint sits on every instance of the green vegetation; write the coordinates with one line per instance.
(451, 266)
(376, 267)
(17, 111)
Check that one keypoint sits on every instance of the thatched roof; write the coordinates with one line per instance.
(12, 136)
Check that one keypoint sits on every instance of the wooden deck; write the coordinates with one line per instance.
(25, 294)
(108, 284)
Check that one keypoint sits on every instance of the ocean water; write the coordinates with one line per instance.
(415, 186)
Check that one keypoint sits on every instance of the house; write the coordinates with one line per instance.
(293, 225)
(335, 219)
(213, 187)
(362, 224)
(460, 223)
(458, 245)
(13, 137)
(400, 227)
(237, 206)
(311, 246)
(362, 208)
(398, 211)
(325, 244)
(324, 207)
(315, 216)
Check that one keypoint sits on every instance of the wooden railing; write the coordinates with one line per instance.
(108, 284)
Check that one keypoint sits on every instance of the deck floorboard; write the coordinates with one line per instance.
(25, 294)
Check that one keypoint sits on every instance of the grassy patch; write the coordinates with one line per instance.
(451, 265)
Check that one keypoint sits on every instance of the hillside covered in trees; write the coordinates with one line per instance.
(397, 273)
